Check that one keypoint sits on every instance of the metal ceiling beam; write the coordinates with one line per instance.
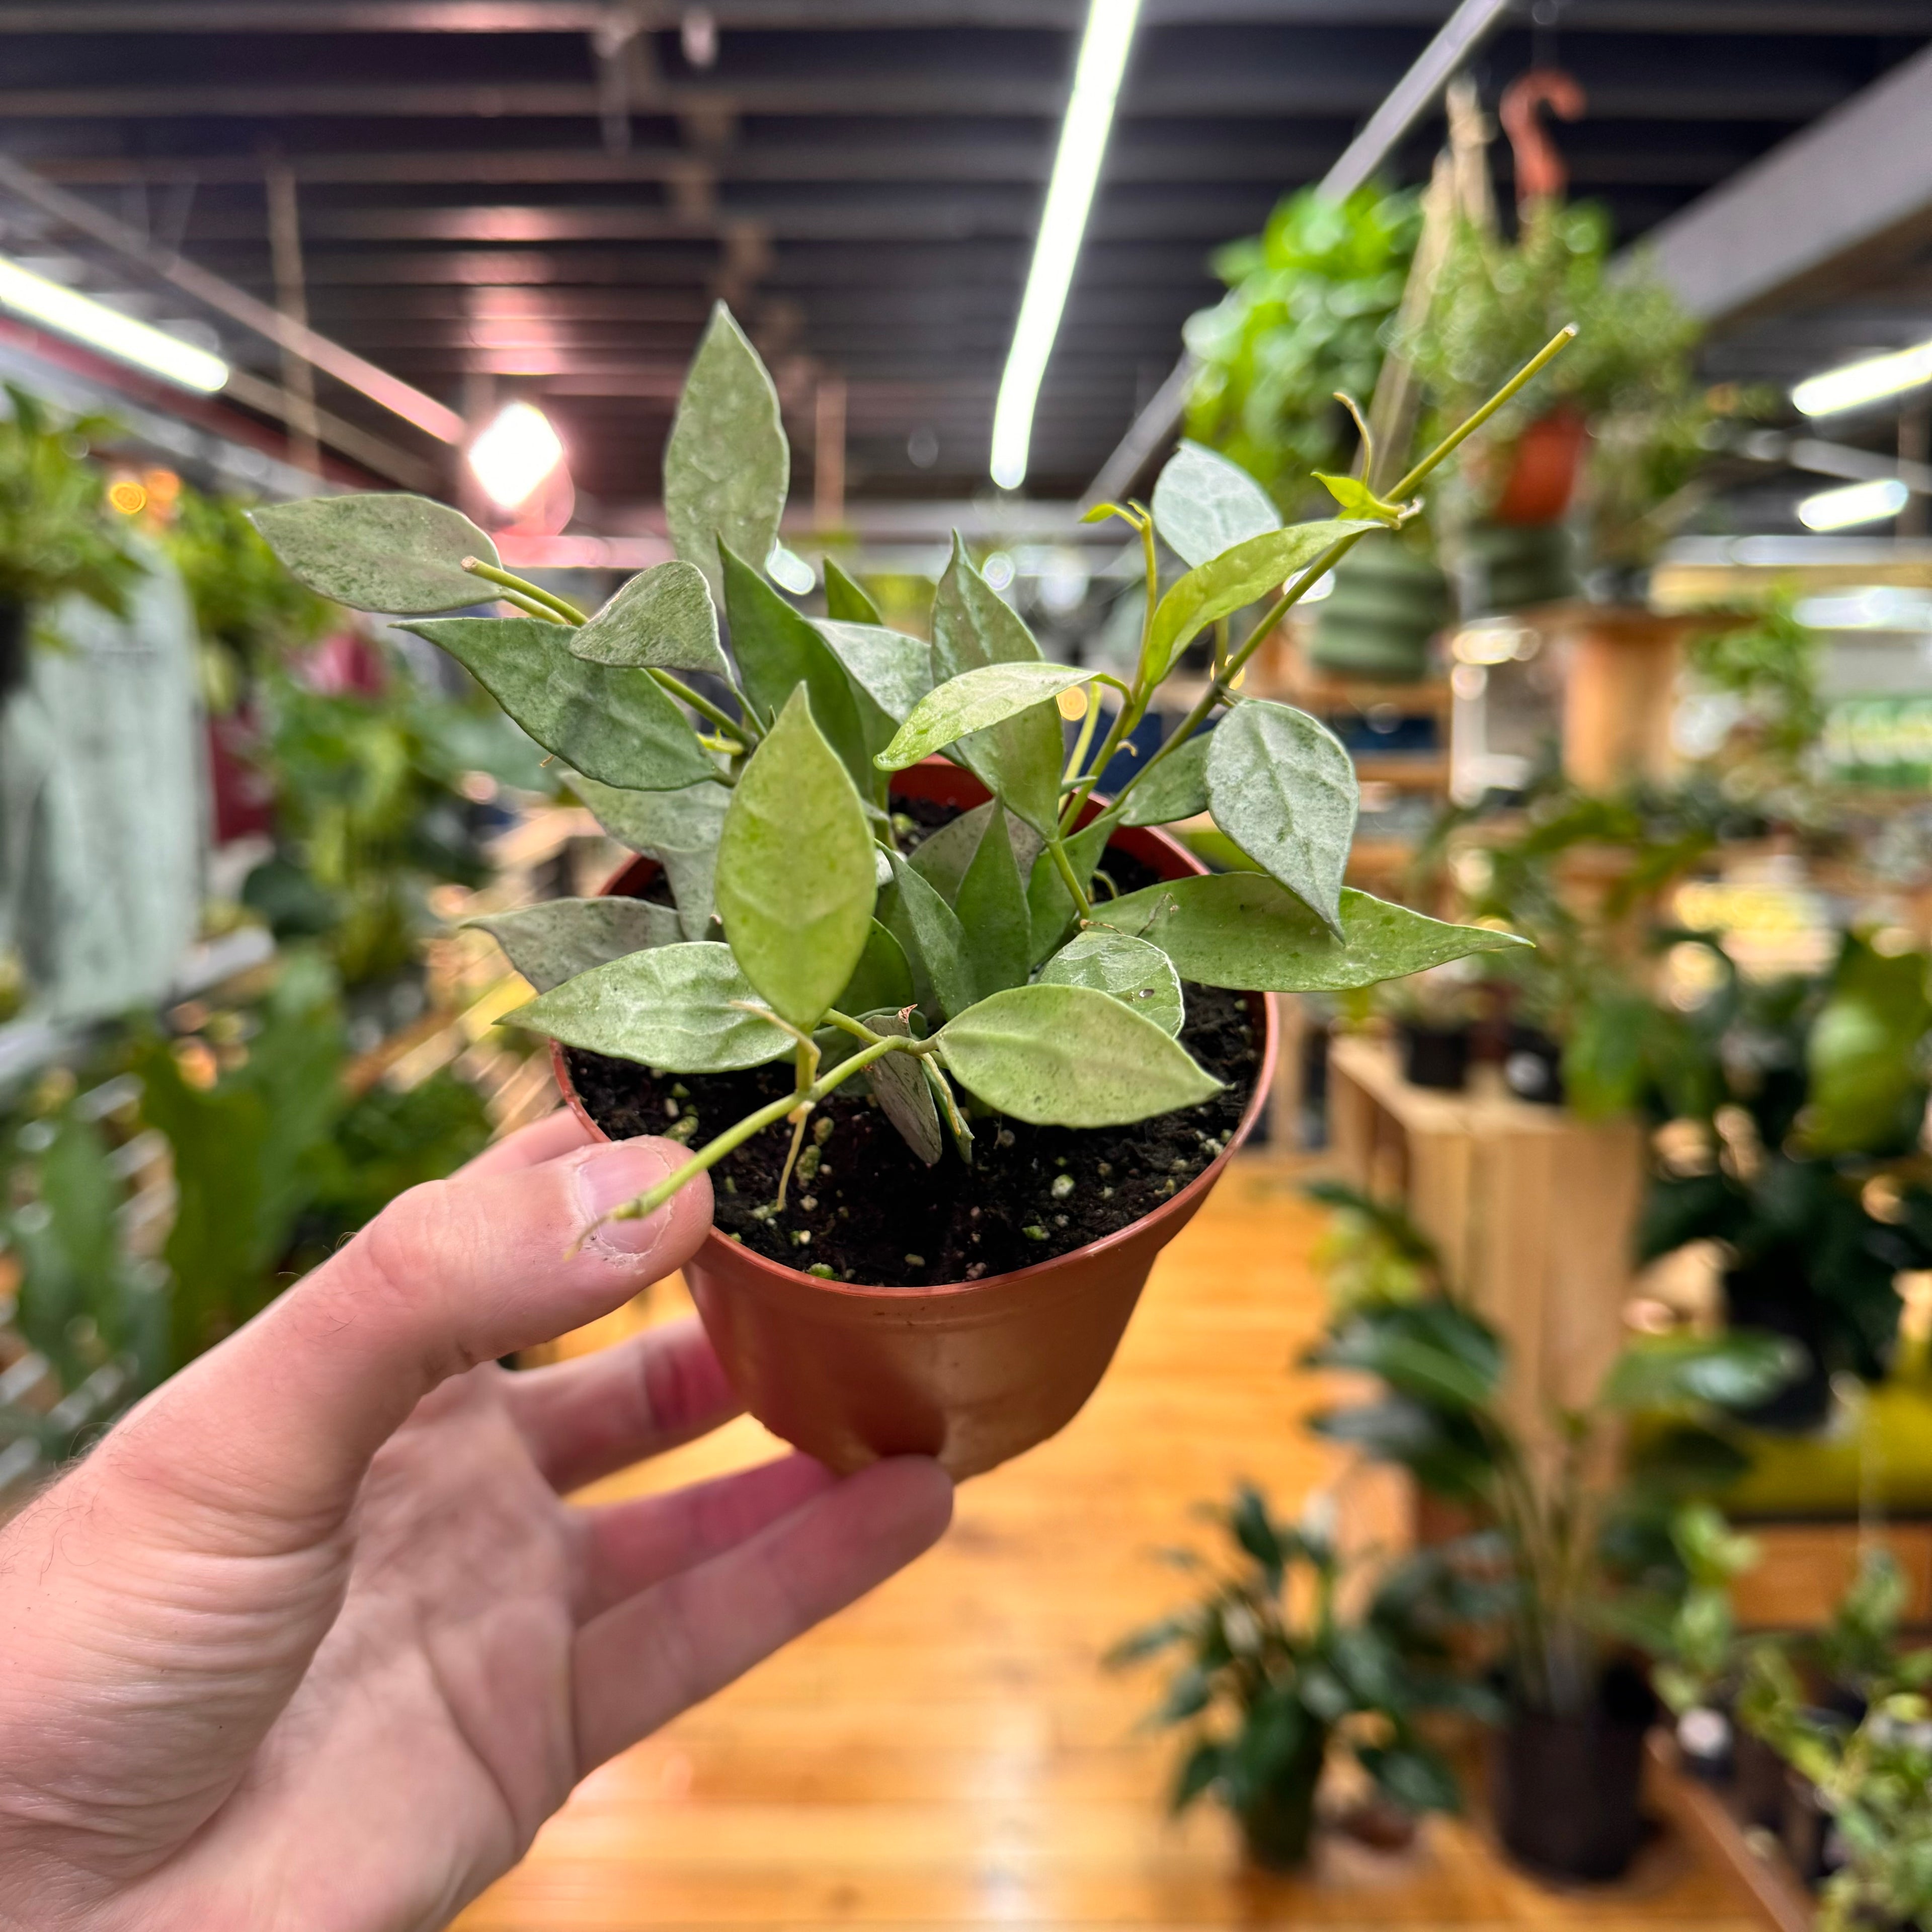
(1856, 186)
(423, 412)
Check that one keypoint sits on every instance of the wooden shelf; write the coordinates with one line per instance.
(1753, 1858)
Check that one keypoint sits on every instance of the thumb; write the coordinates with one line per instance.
(281, 1419)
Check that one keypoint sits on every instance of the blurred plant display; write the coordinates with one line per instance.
(1308, 304)
(1275, 1674)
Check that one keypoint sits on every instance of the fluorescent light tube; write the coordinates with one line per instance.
(69, 312)
(1104, 47)
(1870, 381)
(1856, 503)
(514, 455)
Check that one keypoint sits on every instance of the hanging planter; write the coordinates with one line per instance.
(1541, 479)
(1387, 603)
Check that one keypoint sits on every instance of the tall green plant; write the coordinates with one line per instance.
(772, 813)
(58, 537)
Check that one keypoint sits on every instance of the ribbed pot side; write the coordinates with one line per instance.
(973, 1373)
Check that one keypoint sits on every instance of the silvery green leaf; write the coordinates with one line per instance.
(777, 650)
(400, 555)
(1204, 505)
(899, 1084)
(1245, 931)
(555, 941)
(992, 910)
(1049, 907)
(1131, 969)
(795, 886)
(974, 701)
(1070, 1057)
(727, 466)
(671, 1009)
(790, 572)
(881, 982)
(942, 859)
(845, 601)
(1244, 575)
(663, 617)
(934, 943)
(678, 829)
(1282, 788)
(1175, 788)
(950, 1110)
(1019, 758)
(893, 670)
(611, 722)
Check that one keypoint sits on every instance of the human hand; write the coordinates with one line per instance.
(310, 1640)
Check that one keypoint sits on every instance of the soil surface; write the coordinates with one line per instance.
(863, 1207)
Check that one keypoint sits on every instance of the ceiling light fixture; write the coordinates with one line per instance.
(1104, 47)
(1869, 381)
(1856, 503)
(514, 455)
(68, 312)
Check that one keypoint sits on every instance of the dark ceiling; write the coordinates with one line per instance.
(542, 196)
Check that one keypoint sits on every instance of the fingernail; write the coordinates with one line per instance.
(606, 1178)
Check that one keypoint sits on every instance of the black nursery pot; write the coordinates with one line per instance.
(1533, 1065)
(1567, 1791)
(1436, 1056)
(13, 649)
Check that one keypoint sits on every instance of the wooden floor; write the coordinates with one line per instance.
(949, 1752)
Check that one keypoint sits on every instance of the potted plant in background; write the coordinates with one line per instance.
(1434, 1014)
(869, 1292)
(1583, 1551)
(57, 538)
(1277, 1675)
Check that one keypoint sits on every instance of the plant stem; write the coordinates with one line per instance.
(1219, 684)
(530, 608)
(489, 572)
(1084, 743)
(703, 706)
(1057, 846)
(647, 1204)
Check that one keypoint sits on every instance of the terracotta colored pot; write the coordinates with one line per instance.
(973, 1373)
(1542, 475)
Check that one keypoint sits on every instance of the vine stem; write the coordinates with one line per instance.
(1219, 685)
(491, 573)
(703, 706)
(1057, 846)
(647, 1204)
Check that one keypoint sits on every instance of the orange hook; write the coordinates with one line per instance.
(1539, 172)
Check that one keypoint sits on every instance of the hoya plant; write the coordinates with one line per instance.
(979, 975)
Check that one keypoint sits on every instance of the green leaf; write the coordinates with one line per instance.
(1049, 906)
(1068, 1056)
(992, 911)
(1867, 1093)
(663, 617)
(555, 940)
(845, 602)
(678, 829)
(1243, 575)
(975, 701)
(777, 650)
(1354, 498)
(613, 723)
(899, 1084)
(400, 555)
(1280, 785)
(1735, 1370)
(1204, 505)
(1430, 1351)
(1020, 758)
(1413, 1777)
(795, 875)
(881, 982)
(1132, 971)
(727, 466)
(671, 1009)
(935, 942)
(1175, 788)
(894, 670)
(942, 859)
(1244, 930)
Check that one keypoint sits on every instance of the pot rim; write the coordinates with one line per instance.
(1186, 1198)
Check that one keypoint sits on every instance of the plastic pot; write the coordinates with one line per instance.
(1533, 1065)
(1376, 622)
(1437, 1056)
(1543, 471)
(971, 1372)
(1567, 1791)
(1278, 1827)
